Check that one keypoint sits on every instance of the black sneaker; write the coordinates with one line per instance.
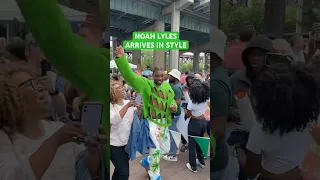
(192, 169)
(200, 164)
(184, 148)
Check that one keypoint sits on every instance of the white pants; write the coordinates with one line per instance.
(161, 138)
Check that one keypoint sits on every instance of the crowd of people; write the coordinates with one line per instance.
(268, 88)
(166, 96)
(41, 134)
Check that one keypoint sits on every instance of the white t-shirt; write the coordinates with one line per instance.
(280, 154)
(120, 127)
(14, 158)
(197, 109)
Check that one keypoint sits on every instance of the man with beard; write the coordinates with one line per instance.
(174, 80)
(158, 105)
(253, 58)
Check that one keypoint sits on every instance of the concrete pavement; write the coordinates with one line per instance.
(178, 170)
(169, 170)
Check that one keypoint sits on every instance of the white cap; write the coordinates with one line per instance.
(175, 73)
(218, 41)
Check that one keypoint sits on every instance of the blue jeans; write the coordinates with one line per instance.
(173, 127)
(218, 175)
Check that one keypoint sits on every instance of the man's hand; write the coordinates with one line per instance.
(119, 51)
(173, 108)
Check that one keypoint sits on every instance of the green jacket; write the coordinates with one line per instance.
(84, 65)
(149, 90)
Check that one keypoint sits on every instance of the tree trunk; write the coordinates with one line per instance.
(104, 14)
(274, 17)
(306, 23)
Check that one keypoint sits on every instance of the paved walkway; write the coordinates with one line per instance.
(169, 170)
(178, 170)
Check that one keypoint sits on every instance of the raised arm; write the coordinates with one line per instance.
(135, 81)
(82, 64)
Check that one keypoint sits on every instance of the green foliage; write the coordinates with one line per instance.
(235, 17)
(147, 56)
(311, 15)
(188, 66)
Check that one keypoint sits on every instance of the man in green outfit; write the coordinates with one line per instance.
(158, 106)
(84, 65)
(220, 101)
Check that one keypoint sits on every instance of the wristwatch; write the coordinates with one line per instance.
(56, 92)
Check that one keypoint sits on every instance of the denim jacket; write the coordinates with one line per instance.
(139, 139)
(82, 172)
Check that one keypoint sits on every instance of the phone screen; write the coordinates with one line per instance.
(91, 116)
(273, 58)
(138, 99)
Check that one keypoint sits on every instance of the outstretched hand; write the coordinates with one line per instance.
(173, 108)
(119, 51)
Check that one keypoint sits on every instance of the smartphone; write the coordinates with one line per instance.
(274, 58)
(91, 116)
(138, 99)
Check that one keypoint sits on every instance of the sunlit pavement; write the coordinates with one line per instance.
(233, 166)
(178, 170)
(169, 170)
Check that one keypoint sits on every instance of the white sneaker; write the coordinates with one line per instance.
(199, 164)
(190, 168)
(170, 158)
(154, 176)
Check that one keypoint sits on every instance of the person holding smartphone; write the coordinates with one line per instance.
(121, 118)
(82, 61)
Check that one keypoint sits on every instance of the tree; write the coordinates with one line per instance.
(274, 17)
(235, 17)
(147, 56)
(310, 14)
(188, 66)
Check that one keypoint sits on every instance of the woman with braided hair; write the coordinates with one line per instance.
(121, 118)
(33, 148)
(287, 101)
